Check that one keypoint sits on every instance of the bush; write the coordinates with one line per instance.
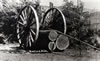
(9, 10)
(78, 23)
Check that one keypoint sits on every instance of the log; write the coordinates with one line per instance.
(62, 42)
(53, 35)
(44, 42)
(51, 46)
(76, 39)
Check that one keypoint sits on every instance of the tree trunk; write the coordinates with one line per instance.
(53, 35)
(51, 46)
(62, 42)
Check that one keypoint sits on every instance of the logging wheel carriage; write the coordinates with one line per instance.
(42, 33)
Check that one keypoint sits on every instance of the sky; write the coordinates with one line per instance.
(56, 2)
(90, 4)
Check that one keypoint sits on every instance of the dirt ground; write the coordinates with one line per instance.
(9, 53)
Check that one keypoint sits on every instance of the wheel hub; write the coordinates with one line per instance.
(25, 23)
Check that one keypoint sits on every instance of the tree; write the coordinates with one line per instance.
(78, 23)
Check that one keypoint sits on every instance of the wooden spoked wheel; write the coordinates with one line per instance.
(27, 26)
(54, 19)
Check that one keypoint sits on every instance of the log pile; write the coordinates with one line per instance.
(51, 40)
(62, 42)
(53, 35)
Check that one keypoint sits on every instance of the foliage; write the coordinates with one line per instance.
(8, 16)
(8, 25)
(78, 23)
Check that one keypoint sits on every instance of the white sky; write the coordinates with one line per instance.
(56, 2)
(90, 4)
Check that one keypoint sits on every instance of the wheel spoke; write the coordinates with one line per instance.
(54, 13)
(20, 23)
(22, 18)
(54, 10)
(18, 36)
(23, 15)
(31, 37)
(29, 12)
(56, 16)
(26, 15)
(19, 40)
(21, 32)
(33, 22)
(33, 32)
(51, 15)
(29, 40)
(30, 19)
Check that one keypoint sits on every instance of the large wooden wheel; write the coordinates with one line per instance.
(54, 19)
(27, 26)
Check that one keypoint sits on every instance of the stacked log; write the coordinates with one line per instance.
(46, 40)
(51, 40)
(62, 42)
(53, 35)
(51, 46)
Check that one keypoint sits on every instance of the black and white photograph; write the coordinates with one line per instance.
(49, 30)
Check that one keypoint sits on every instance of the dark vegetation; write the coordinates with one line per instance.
(78, 24)
(8, 26)
(77, 21)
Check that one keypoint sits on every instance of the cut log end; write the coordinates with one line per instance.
(62, 42)
(53, 35)
(51, 46)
